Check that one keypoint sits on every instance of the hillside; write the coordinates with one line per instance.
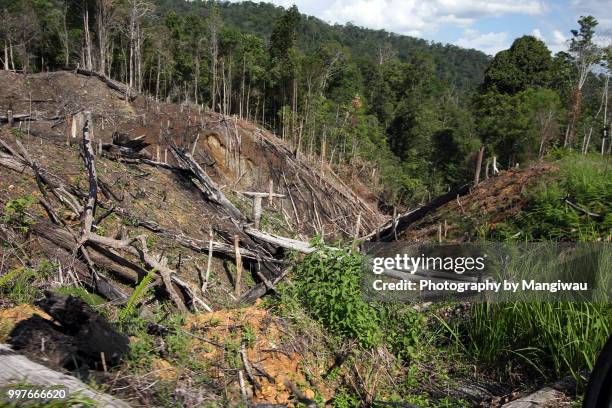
(454, 65)
(493, 201)
(151, 194)
(174, 186)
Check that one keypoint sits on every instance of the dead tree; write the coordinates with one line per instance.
(478, 166)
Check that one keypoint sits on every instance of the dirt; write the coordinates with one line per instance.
(237, 155)
(269, 347)
(9, 317)
(493, 201)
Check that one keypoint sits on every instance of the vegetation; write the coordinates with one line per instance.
(400, 115)
(583, 181)
(552, 338)
(329, 286)
(405, 114)
(15, 213)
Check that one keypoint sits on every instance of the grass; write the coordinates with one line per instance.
(552, 338)
(586, 181)
(21, 285)
(555, 338)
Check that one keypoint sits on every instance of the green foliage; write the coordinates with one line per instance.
(21, 285)
(15, 213)
(328, 284)
(344, 399)
(404, 329)
(552, 338)
(564, 337)
(91, 299)
(139, 293)
(584, 181)
(527, 64)
(518, 128)
(248, 335)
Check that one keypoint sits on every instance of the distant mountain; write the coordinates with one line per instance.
(463, 68)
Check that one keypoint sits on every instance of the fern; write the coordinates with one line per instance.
(139, 293)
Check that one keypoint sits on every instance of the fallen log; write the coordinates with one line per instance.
(210, 190)
(63, 239)
(26, 117)
(262, 288)
(92, 197)
(283, 242)
(126, 152)
(546, 397)
(123, 139)
(18, 369)
(197, 245)
(159, 264)
(388, 230)
(15, 118)
(114, 85)
(582, 210)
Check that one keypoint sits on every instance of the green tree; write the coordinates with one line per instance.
(526, 64)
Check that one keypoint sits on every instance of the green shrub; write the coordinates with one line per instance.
(328, 284)
(15, 213)
(584, 181)
(404, 329)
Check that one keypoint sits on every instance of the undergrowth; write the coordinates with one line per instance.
(554, 339)
(585, 182)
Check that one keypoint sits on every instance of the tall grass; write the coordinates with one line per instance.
(562, 337)
(554, 338)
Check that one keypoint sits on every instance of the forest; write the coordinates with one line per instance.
(368, 102)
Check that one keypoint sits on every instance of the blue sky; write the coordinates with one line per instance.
(487, 25)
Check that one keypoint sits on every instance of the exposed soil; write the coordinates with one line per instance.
(492, 201)
(270, 350)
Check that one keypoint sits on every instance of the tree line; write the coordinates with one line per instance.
(390, 111)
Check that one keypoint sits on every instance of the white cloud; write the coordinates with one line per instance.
(418, 16)
(537, 34)
(413, 17)
(556, 42)
(490, 43)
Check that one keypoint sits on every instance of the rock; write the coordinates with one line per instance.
(546, 397)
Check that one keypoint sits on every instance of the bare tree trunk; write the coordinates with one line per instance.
(197, 74)
(240, 105)
(214, 50)
(478, 166)
(139, 57)
(64, 36)
(6, 57)
(88, 59)
(570, 134)
(103, 23)
(158, 74)
(248, 101)
(11, 54)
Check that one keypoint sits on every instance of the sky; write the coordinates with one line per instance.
(486, 25)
